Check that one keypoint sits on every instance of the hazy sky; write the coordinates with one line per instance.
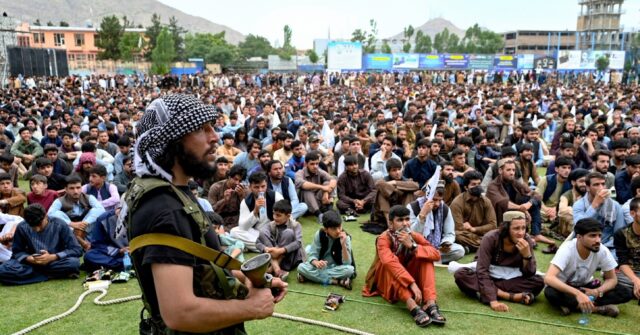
(310, 20)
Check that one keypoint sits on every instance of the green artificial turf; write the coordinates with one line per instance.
(22, 306)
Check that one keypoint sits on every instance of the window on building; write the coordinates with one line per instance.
(79, 38)
(58, 39)
(38, 37)
(510, 36)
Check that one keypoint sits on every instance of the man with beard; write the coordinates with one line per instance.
(627, 242)
(577, 178)
(492, 171)
(505, 266)
(472, 212)
(624, 177)
(177, 143)
(284, 185)
(526, 165)
(601, 161)
(550, 189)
(356, 189)
(620, 150)
(570, 278)
(315, 185)
(222, 168)
(226, 195)
(598, 204)
(78, 210)
(355, 149)
(283, 154)
(256, 211)
(451, 188)
(531, 136)
(508, 194)
(393, 190)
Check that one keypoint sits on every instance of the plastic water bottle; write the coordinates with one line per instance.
(263, 209)
(126, 262)
(584, 317)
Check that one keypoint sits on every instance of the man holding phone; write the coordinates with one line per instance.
(42, 249)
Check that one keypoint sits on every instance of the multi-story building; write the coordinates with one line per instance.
(79, 42)
(538, 41)
(598, 24)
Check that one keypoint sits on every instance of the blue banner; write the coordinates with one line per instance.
(481, 62)
(455, 61)
(431, 62)
(505, 62)
(377, 61)
(406, 61)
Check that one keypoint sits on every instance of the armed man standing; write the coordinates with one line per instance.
(184, 293)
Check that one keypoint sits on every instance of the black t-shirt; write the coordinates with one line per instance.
(161, 211)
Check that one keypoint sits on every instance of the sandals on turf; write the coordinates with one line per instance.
(346, 283)
(551, 249)
(301, 278)
(284, 275)
(527, 298)
(421, 318)
(436, 317)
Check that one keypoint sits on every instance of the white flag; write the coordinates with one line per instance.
(433, 132)
(431, 185)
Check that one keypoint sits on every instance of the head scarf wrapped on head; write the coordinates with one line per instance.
(86, 157)
(164, 121)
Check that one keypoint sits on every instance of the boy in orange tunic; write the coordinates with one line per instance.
(403, 269)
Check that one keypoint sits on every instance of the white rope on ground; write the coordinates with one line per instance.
(103, 292)
(320, 323)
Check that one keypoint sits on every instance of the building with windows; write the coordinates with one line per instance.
(538, 41)
(79, 42)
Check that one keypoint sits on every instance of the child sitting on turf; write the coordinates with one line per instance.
(330, 259)
(40, 193)
(282, 239)
(225, 242)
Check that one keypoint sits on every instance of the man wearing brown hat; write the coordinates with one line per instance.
(505, 267)
(571, 285)
(177, 142)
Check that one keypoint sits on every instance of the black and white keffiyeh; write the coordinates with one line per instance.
(165, 120)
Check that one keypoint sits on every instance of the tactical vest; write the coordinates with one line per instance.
(215, 282)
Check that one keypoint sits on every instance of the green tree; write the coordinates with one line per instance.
(359, 35)
(313, 56)
(255, 46)
(602, 63)
(49, 24)
(163, 53)
(131, 44)
(212, 47)
(177, 33)
(109, 36)
(482, 41)
(287, 49)
(408, 33)
(153, 31)
(368, 39)
(64, 24)
(386, 48)
(423, 43)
